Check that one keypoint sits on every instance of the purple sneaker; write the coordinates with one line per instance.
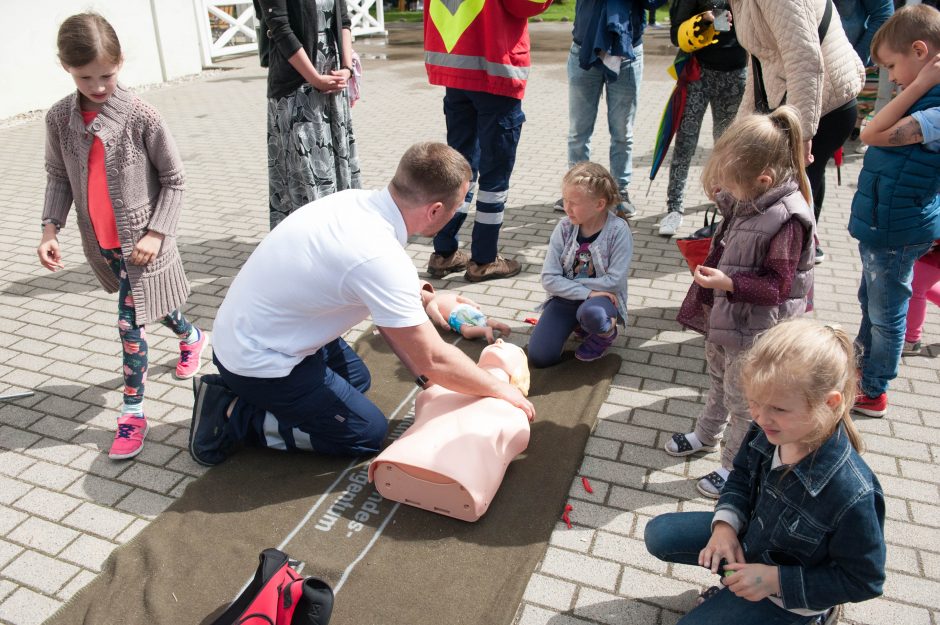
(595, 346)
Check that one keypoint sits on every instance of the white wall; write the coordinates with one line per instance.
(31, 76)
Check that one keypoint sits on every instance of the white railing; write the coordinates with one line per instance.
(227, 27)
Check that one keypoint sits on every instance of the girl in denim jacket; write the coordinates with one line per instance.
(799, 527)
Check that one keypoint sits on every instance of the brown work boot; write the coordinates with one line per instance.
(499, 268)
(439, 265)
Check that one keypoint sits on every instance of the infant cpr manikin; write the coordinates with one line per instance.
(453, 458)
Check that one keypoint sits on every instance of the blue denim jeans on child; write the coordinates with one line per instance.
(884, 294)
(559, 318)
(584, 92)
(679, 537)
(479, 122)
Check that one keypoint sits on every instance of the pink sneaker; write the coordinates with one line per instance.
(191, 357)
(129, 438)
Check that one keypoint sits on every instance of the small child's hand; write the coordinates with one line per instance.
(723, 545)
(147, 248)
(753, 581)
(929, 74)
(711, 278)
(607, 294)
(49, 255)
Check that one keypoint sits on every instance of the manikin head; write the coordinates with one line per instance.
(509, 358)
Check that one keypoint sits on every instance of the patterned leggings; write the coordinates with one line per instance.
(723, 90)
(133, 337)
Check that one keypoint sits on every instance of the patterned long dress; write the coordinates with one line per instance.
(311, 146)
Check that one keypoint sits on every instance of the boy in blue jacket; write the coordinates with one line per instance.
(896, 210)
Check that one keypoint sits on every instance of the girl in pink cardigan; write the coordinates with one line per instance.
(112, 155)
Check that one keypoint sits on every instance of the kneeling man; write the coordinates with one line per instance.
(287, 379)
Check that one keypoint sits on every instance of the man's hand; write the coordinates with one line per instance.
(423, 352)
(147, 248)
(515, 397)
(723, 545)
(753, 581)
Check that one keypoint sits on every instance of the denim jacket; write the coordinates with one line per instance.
(821, 522)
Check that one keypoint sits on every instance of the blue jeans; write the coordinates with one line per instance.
(559, 318)
(584, 92)
(884, 294)
(479, 122)
(318, 406)
(679, 537)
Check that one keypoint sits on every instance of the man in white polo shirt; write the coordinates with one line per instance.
(287, 378)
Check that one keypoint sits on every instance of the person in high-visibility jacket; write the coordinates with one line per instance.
(479, 51)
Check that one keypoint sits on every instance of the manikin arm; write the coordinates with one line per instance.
(434, 314)
(474, 332)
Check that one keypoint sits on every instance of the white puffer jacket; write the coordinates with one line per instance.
(784, 35)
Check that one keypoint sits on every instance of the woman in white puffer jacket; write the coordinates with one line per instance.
(821, 79)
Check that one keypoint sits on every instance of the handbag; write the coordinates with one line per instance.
(761, 104)
(279, 595)
(695, 248)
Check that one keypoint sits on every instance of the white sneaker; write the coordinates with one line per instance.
(670, 223)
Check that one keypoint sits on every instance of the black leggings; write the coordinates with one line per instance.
(833, 130)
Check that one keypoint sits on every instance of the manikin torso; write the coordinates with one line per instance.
(453, 458)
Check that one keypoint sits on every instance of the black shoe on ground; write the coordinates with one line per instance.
(820, 255)
(210, 436)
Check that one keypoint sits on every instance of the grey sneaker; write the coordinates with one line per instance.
(912, 348)
(439, 266)
(626, 209)
(670, 224)
(559, 205)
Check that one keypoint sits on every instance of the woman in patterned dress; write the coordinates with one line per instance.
(311, 145)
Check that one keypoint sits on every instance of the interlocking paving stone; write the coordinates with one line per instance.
(39, 572)
(49, 538)
(25, 607)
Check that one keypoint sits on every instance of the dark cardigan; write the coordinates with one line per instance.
(292, 25)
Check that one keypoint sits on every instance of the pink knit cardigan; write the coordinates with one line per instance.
(145, 183)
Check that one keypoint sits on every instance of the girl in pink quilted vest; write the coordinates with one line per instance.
(759, 270)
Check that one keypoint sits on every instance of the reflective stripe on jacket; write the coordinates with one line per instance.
(479, 45)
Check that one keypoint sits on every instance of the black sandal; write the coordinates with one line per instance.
(707, 594)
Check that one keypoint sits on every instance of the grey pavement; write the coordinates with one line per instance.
(64, 506)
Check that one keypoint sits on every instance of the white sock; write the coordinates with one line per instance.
(723, 472)
(694, 441)
(193, 336)
(136, 410)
